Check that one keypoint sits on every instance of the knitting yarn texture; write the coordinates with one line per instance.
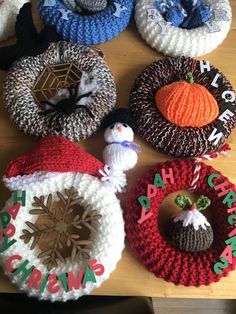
(88, 29)
(24, 110)
(8, 13)
(176, 41)
(159, 132)
(62, 167)
(151, 247)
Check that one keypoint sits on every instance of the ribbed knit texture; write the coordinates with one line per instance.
(188, 239)
(154, 128)
(54, 154)
(8, 12)
(88, 29)
(186, 104)
(24, 110)
(179, 41)
(150, 246)
(64, 165)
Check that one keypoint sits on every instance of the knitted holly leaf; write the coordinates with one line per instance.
(202, 202)
(64, 225)
(183, 202)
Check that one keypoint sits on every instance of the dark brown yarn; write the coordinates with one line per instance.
(155, 129)
(188, 239)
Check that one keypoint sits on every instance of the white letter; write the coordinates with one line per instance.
(215, 136)
(231, 94)
(205, 65)
(226, 115)
(212, 28)
(214, 84)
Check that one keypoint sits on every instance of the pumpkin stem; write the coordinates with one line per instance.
(189, 78)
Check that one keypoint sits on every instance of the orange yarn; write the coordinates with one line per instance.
(187, 104)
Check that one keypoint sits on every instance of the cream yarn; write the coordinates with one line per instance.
(179, 41)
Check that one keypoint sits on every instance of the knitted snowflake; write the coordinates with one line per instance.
(61, 228)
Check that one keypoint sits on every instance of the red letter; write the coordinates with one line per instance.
(34, 279)
(222, 187)
(166, 176)
(10, 260)
(14, 210)
(144, 216)
(53, 286)
(97, 268)
(151, 191)
(10, 230)
(74, 283)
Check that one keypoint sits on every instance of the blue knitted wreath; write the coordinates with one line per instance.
(86, 29)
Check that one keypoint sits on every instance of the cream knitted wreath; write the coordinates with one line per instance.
(178, 41)
(8, 13)
(23, 109)
(108, 241)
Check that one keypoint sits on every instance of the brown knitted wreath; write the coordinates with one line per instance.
(33, 80)
(164, 135)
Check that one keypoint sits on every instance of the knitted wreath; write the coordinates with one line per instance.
(36, 86)
(186, 265)
(66, 228)
(8, 13)
(89, 29)
(176, 41)
(159, 97)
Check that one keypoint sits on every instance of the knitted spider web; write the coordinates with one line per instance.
(53, 78)
(61, 229)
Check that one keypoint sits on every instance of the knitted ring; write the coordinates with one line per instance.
(87, 29)
(176, 41)
(8, 13)
(169, 137)
(66, 228)
(33, 81)
(150, 245)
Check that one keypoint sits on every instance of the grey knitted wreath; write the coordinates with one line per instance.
(163, 135)
(24, 109)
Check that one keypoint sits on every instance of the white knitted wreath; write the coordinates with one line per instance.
(108, 241)
(8, 12)
(178, 41)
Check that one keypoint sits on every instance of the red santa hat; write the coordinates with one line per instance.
(54, 154)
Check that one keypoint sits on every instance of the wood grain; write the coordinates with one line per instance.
(127, 55)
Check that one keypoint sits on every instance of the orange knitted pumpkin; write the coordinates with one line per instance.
(187, 104)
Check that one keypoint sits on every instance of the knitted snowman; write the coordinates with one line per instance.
(69, 231)
(190, 231)
(120, 154)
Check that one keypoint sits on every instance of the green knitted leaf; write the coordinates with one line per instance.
(183, 201)
(202, 202)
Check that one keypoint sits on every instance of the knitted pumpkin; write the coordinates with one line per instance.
(187, 104)
(190, 231)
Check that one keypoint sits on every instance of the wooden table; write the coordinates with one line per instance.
(127, 55)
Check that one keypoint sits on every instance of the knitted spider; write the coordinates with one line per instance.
(58, 106)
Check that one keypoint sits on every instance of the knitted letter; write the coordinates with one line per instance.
(229, 96)
(230, 199)
(53, 286)
(14, 210)
(226, 115)
(219, 266)
(223, 188)
(6, 244)
(89, 276)
(227, 254)
(151, 191)
(205, 65)
(25, 272)
(21, 198)
(74, 282)
(232, 219)
(34, 279)
(213, 83)
(97, 268)
(166, 176)
(210, 178)
(144, 215)
(215, 137)
(5, 219)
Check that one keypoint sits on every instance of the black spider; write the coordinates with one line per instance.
(65, 106)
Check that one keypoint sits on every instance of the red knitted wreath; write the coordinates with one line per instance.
(153, 250)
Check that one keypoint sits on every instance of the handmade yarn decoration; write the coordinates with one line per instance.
(87, 27)
(63, 230)
(88, 5)
(183, 28)
(190, 230)
(173, 259)
(68, 93)
(183, 107)
(29, 41)
(120, 154)
(8, 13)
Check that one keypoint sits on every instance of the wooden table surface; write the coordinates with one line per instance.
(126, 56)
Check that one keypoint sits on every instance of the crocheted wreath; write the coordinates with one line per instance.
(185, 256)
(8, 13)
(67, 90)
(65, 232)
(157, 23)
(88, 29)
(183, 107)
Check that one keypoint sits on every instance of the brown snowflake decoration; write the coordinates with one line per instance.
(68, 225)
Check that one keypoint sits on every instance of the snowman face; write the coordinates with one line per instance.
(118, 132)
